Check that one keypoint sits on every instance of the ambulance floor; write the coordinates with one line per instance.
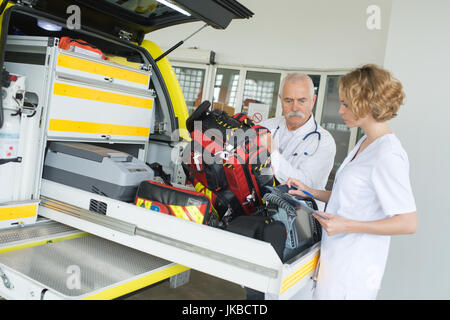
(201, 286)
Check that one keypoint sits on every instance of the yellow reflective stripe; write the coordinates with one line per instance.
(124, 61)
(201, 188)
(195, 213)
(137, 284)
(139, 202)
(70, 62)
(299, 274)
(179, 212)
(147, 204)
(94, 127)
(215, 211)
(11, 213)
(68, 90)
(43, 242)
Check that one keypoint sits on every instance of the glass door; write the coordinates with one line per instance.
(333, 123)
(316, 81)
(360, 134)
(225, 91)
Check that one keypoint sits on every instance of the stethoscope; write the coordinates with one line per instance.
(319, 136)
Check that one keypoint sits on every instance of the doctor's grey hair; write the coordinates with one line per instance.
(298, 76)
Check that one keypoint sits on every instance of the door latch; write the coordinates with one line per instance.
(5, 279)
(125, 35)
(28, 3)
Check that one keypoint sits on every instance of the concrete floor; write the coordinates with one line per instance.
(201, 286)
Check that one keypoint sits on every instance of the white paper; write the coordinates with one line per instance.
(258, 112)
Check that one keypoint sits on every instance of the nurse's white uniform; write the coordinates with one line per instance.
(373, 186)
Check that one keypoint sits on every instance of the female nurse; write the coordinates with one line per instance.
(371, 198)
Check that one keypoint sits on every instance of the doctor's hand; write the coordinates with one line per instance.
(334, 224)
(266, 141)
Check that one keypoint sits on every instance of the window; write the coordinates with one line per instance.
(225, 90)
(261, 93)
(191, 82)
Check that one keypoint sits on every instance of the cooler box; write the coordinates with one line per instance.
(96, 169)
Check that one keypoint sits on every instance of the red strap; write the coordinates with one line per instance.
(66, 42)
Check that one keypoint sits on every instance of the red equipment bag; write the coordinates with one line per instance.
(181, 203)
(226, 161)
(81, 46)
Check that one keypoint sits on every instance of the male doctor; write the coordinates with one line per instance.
(299, 147)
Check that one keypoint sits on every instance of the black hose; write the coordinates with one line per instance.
(280, 202)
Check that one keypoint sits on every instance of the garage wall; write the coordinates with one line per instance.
(418, 53)
(310, 34)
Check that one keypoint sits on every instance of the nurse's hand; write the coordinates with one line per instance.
(321, 195)
(299, 185)
(334, 224)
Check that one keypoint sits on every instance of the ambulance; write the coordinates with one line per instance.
(87, 103)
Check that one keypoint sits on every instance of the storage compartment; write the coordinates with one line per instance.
(79, 97)
(18, 213)
(95, 169)
(84, 97)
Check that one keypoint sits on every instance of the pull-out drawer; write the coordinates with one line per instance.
(101, 71)
(98, 100)
(50, 260)
(18, 213)
(79, 110)
(226, 255)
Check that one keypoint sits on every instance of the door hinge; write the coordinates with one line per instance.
(160, 127)
(146, 67)
(125, 35)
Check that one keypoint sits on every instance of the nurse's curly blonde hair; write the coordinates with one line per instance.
(371, 90)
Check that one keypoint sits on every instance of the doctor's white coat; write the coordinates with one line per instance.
(288, 155)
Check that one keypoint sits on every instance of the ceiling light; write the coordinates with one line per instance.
(47, 25)
(174, 7)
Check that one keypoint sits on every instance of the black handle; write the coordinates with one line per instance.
(4, 161)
